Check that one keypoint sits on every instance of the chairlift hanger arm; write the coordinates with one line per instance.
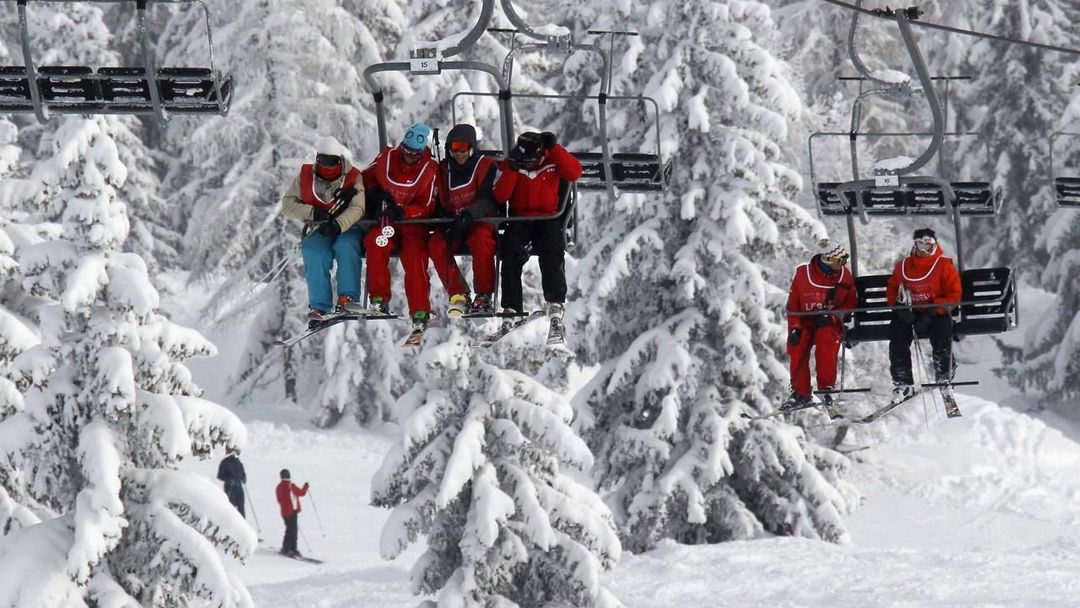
(890, 14)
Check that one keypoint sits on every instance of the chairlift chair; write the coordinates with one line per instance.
(988, 304)
(64, 89)
(1066, 187)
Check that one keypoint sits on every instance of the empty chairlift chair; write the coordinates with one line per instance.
(114, 90)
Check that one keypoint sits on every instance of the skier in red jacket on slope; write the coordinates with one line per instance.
(823, 284)
(400, 185)
(287, 497)
(528, 182)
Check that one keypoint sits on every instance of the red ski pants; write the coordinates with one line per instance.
(826, 344)
(412, 242)
(481, 242)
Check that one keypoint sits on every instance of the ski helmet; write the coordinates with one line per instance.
(285, 474)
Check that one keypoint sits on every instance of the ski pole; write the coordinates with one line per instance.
(304, 537)
(251, 505)
(316, 510)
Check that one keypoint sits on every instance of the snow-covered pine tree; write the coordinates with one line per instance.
(297, 69)
(682, 299)
(108, 412)
(481, 471)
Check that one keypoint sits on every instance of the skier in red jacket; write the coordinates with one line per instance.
(465, 181)
(400, 185)
(287, 497)
(823, 284)
(924, 277)
(529, 182)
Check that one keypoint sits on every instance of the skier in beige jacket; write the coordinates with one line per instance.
(329, 198)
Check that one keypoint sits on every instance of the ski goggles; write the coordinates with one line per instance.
(925, 244)
(460, 146)
(410, 153)
(840, 259)
(327, 160)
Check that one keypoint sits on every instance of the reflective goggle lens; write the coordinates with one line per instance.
(925, 243)
(327, 160)
(460, 146)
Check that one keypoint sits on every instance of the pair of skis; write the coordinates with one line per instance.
(951, 408)
(556, 338)
(331, 320)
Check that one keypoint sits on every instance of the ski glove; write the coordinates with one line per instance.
(320, 214)
(822, 320)
(342, 198)
(459, 227)
(330, 228)
(515, 160)
(794, 336)
(394, 212)
(549, 139)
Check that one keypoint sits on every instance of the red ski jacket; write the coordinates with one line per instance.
(411, 186)
(812, 289)
(932, 279)
(285, 492)
(536, 192)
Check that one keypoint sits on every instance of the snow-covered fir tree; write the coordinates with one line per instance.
(107, 412)
(482, 471)
(683, 299)
(297, 73)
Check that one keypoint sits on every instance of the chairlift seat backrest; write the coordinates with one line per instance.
(1067, 190)
(989, 305)
(630, 172)
(913, 198)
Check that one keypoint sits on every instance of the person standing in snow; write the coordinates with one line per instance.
(465, 182)
(528, 182)
(924, 278)
(231, 473)
(822, 284)
(400, 185)
(288, 495)
(327, 197)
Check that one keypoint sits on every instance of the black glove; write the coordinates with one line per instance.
(822, 320)
(794, 336)
(515, 160)
(394, 212)
(320, 214)
(549, 139)
(459, 227)
(344, 195)
(331, 228)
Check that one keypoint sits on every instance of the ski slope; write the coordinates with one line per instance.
(979, 511)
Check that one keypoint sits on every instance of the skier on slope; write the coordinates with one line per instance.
(400, 185)
(528, 182)
(327, 192)
(288, 495)
(823, 284)
(465, 182)
(924, 277)
(231, 472)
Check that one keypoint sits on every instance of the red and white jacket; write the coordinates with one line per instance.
(930, 279)
(812, 289)
(536, 192)
(411, 186)
(286, 490)
(455, 198)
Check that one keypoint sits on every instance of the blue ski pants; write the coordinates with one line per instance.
(320, 252)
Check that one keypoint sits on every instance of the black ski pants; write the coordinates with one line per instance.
(548, 241)
(235, 492)
(289, 544)
(901, 334)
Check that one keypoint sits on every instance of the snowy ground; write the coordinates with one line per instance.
(979, 511)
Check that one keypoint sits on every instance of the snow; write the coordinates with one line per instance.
(890, 76)
(976, 511)
(893, 164)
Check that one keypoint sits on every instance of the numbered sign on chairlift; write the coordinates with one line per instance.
(886, 181)
(424, 61)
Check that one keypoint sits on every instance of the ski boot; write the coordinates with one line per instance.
(419, 326)
(951, 409)
(315, 318)
(795, 401)
(377, 307)
(556, 332)
(482, 303)
(901, 392)
(830, 404)
(459, 305)
(343, 303)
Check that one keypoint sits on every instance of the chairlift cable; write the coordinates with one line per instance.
(888, 14)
